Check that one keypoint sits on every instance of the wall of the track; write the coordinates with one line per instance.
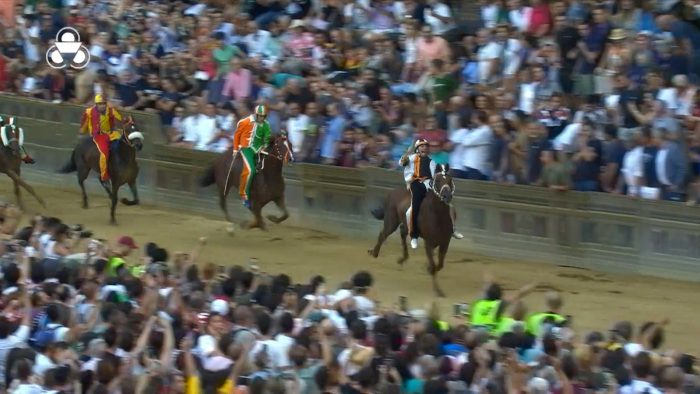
(597, 231)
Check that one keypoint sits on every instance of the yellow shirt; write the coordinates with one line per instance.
(193, 386)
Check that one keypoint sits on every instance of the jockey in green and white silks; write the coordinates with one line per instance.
(252, 135)
(9, 127)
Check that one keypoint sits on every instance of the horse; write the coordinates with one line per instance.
(434, 221)
(267, 186)
(123, 168)
(11, 161)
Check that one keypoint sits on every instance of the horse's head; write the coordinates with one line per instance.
(11, 136)
(443, 185)
(281, 149)
(132, 136)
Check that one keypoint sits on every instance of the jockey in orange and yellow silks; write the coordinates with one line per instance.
(252, 135)
(100, 121)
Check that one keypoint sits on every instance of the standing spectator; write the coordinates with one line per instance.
(587, 159)
(555, 175)
(200, 129)
(429, 48)
(238, 82)
(331, 134)
(222, 55)
(476, 145)
(439, 16)
(671, 166)
(297, 127)
(632, 167)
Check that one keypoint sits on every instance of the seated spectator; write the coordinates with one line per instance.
(200, 128)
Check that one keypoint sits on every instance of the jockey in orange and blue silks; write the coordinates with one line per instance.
(100, 121)
(419, 170)
(8, 124)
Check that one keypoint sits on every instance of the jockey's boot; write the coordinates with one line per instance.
(414, 243)
(107, 184)
(28, 160)
(457, 235)
(247, 204)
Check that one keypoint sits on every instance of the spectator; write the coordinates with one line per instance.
(200, 128)
(238, 82)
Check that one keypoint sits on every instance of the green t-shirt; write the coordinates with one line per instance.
(555, 174)
(444, 87)
(441, 157)
(222, 57)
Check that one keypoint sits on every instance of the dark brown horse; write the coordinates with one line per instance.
(123, 168)
(267, 186)
(11, 160)
(434, 221)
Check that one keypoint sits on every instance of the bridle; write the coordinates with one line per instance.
(450, 186)
(278, 154)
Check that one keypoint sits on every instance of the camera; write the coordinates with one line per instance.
(81, 232)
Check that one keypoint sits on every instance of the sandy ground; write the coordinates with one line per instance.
(595, 299)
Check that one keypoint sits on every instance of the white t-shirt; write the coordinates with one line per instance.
(477, 149)
(364, 305)
(274, 353)
(348, 368)
(489, 14)
(257, 42)
(28, 85)
(512, 57)
(18, 339)
(284, 343)
(42, 364)
(639, 387)
(457, 154)
(296, 127)
(520, 18)
(199, 130)
(488, 52)
(28, 388)
(439, 27)
(31, 51)
(633, 168)
(527, 97)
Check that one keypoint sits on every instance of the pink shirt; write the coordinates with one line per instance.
(301, 46)
(429, 51)
(238, 84)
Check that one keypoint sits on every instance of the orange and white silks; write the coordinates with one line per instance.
(241, 141)
(101, 127)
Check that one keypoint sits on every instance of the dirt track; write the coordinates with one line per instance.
(595, 299)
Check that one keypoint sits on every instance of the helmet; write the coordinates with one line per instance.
(261, 110)
(2, 119)
(99, 99)
(419, 143)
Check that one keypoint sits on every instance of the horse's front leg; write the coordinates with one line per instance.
(283, 208)
(258, 220)
(134, 193)
(113, 196)
(433, 269)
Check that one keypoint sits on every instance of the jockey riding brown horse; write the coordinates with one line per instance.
(123, 168)
(435, 221)
(268, 184)
(11, 160)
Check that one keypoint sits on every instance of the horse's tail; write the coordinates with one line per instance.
(70, 166)
(378, 213)
(209, 177)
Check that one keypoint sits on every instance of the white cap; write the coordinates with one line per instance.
(220, 307)
(342, 295)
(538, 386)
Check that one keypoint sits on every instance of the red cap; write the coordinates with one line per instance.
(127, 241)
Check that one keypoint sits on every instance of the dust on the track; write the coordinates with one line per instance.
(595, 299)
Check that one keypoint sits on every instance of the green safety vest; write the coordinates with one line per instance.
(442, 325)
(505, 325)
(485, 313)
(534, 322)
(114, 264)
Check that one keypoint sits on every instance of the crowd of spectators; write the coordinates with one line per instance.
(81, 315)
(591, 95)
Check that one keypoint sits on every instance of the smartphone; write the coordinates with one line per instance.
(403, 303)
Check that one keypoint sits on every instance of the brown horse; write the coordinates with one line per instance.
(123, 168)
(434, 221)
(267, 186)
(11, 160)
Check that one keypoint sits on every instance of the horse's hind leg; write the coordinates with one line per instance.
(404, 245)
(283, 207)
(113, 207)
(433, 269)
(134, 193)
(390, 225)
(82, 176)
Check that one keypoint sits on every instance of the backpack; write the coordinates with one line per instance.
(44, 335)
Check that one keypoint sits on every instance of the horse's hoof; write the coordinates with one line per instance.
(401, 260)
(85, 206)
(371, 253)
(440, 293)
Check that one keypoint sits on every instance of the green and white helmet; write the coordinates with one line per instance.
(261, 110)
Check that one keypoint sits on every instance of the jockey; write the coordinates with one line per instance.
(9, 123)
(419, 170)
(100, 121)
(252, 135)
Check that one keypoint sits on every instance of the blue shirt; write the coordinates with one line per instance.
(334, 131)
